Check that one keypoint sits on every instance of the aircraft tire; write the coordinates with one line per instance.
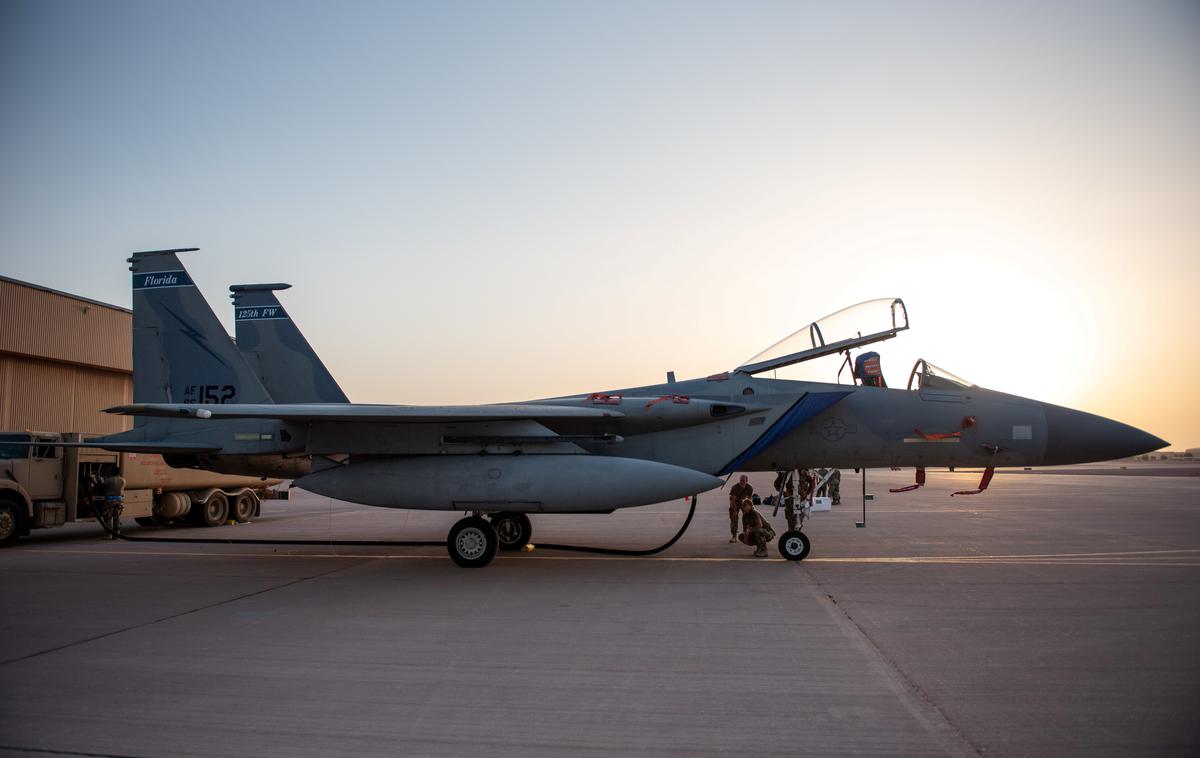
(242, 508)
(513, 530)
(212, 513)
(472, 542)
(794, 545)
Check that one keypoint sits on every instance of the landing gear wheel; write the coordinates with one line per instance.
(513, 530)
(794, 545)
(212, 513)
(472, 542)
(242, 508)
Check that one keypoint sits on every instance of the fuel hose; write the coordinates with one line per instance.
(117, 534)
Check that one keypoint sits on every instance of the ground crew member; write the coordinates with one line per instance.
(109, 501)
(755, 529)
(737, 493)
(808, 481)
(835, 486)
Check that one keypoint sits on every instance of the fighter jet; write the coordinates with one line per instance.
(198, 401)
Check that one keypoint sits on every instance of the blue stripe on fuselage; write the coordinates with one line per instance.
(809, 405)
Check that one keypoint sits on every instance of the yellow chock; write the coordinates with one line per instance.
(527, 548)
(231, 522)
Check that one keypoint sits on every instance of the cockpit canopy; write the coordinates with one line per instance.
(858, 325)
(927, 376)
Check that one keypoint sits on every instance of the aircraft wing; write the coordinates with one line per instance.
(399, 414)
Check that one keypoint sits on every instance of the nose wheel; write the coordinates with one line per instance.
(472, 542)
(512, 529)
(794, 545)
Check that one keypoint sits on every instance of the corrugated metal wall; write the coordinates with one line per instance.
(58, 327)
(96, 390)
(57, 397)
(42, 395)
(62, 360)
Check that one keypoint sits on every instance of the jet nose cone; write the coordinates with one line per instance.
(1078, 437)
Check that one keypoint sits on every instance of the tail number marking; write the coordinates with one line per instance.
(212, 394)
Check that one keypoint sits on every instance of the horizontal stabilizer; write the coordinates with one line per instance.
(396, 414)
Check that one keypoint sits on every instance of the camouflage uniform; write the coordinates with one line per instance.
(110, 493)
(835, 487)
(737, 493)
(807, 480)
(757, 532)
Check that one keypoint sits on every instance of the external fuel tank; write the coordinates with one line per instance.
(529, 483)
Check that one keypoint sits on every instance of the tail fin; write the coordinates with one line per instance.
(181, 353)
(275, 348)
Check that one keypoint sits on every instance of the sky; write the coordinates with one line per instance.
(482, 201)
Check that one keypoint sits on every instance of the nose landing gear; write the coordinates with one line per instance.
(794, 545)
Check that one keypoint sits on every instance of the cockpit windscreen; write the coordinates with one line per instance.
(925, 375)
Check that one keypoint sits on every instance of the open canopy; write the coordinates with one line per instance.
(858, 325)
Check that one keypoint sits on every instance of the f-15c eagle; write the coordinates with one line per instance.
(200, 402)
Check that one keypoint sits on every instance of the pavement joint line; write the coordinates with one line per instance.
(152, 622)
(952, 739)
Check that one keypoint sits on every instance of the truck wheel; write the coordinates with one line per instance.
(212, 513)
(243, 507)
(512, 529)
(10, 522)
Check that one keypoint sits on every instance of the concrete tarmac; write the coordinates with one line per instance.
(1049, 616)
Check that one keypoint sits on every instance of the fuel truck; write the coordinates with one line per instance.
(45, 485)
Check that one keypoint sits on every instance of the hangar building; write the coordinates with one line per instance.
(63, 359)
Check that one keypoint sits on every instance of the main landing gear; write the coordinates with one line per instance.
(473, 541)
(513, 529)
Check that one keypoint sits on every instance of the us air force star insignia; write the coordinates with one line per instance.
(833, 429)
